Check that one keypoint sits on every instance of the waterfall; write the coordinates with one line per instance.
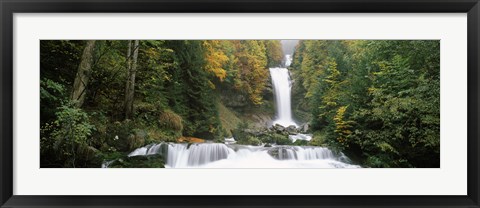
(217, 155)
(232, 155)
(288, 60)
(304, 153)
(282, 88)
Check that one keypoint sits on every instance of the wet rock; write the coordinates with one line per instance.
(292, 129)
(273, 152)
(304, 128)
(279, 128)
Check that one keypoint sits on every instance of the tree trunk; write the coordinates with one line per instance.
(130, 87)
(83, 74)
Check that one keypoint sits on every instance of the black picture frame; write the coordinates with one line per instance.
(9, 7)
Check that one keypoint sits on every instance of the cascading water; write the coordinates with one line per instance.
(282, 87)
(288, 60)
(216, 155)
(231, 155)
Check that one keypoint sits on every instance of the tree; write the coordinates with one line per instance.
(189, 91)
(274, 53)
(252, 73)
(130, 86)
(83, 74)
(215, 58)
(377, 100)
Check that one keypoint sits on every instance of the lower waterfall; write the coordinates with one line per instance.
(218, 155)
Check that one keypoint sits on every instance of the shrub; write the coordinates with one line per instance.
(52, 95)
(250, 140)
(239, 132)
(281, 139)
(300, 143)
(171, 120)
(156, 135)
(73, 130)
(118, 134)
(318, 139)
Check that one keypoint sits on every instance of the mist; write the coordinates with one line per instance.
(288, 46)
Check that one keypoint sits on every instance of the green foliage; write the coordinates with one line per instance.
(274, 53)
(240, 131)
(228, 120)
(152, 161)
(250, 140)
(342, 127)
(376, 99)
(318, 139)
(190, 93)
(301, 143)
(72, 133)
(250, 72)
(52, 95)
(276, 138)
(156, 135)
(175, 92)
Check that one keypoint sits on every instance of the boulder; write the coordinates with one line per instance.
(279, 128)
(137, 139)
(292, 129)
(305, 127)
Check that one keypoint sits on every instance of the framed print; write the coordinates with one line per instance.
(239, 104)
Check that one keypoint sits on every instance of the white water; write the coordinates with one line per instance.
(288, 60)
(306, 137)
(230, 140)
(216, 155)
(231, 155)
(282, 86)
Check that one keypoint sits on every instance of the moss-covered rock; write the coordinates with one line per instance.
(137, 139)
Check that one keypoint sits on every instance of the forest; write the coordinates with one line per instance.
(150, 103)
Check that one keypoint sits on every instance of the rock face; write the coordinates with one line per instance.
(261, 120)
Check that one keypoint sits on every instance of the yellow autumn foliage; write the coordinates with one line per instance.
(215, 59)
(342, 127)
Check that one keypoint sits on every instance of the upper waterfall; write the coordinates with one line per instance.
(282, 87)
